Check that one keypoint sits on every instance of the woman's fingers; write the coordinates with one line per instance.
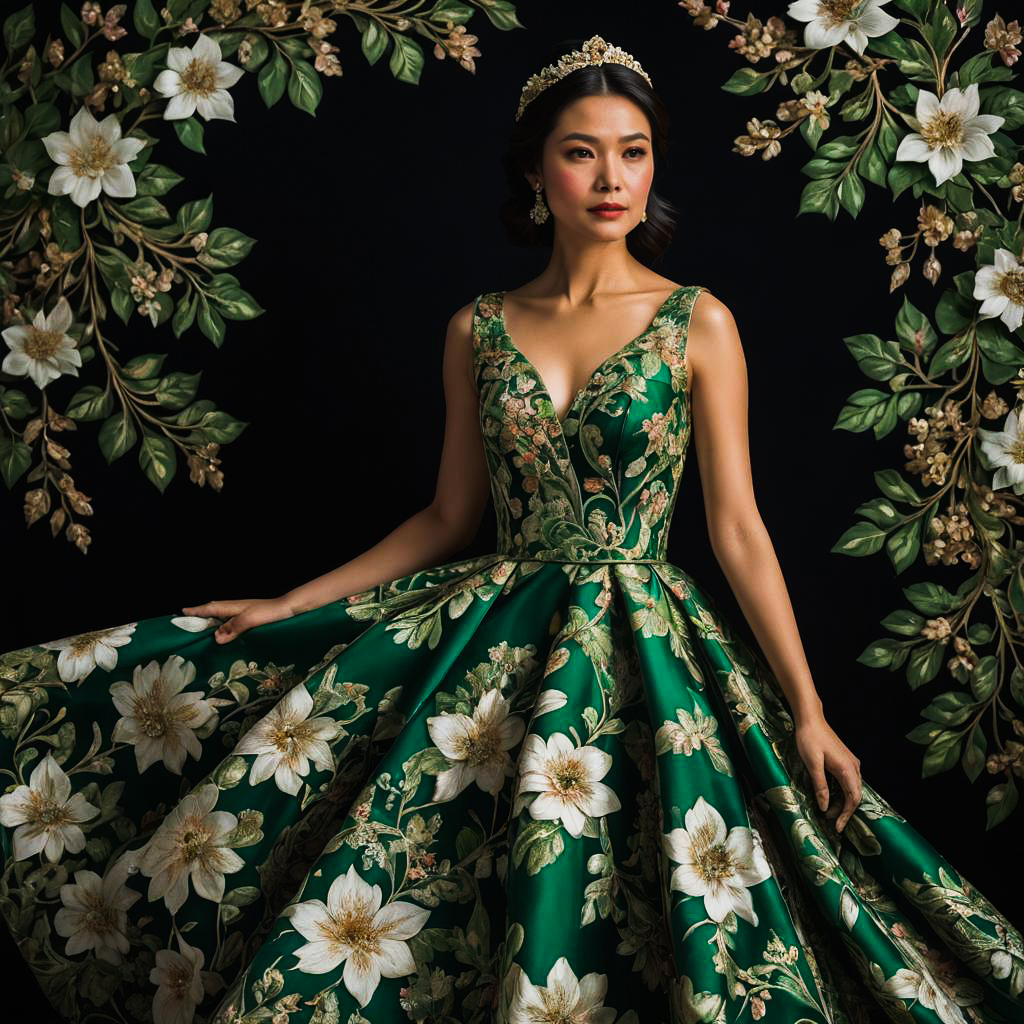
(849, 779)
(216, 609)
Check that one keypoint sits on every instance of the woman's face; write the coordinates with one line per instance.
(599, 152)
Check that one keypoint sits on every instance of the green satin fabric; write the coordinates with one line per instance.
(545, 784)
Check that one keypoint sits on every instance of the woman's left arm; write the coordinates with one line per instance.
(741, 543)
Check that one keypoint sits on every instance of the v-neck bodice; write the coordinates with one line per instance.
(603, 482)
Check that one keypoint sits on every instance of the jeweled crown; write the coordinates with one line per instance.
(595, 51)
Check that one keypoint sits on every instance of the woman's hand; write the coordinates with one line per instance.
(821, 748)
(241, 615)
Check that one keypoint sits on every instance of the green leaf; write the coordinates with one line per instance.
(117, 435)
(374, 41)
(19, 29)
(878, 359)
(195, 216)
(90, 403)
(851, 193)
(859, 540)
(747, 81)
(225, 247)
(1000, 801)
(15, 403)
(72, 26)
(272, 78)
(942, 753)
(177, 389)
(157, 457)
(406, 62)
(953, 353)
(143, 366)
(146, 210)
(156, 179)
(235, 303)
(904, 622)
(184, 314)
(931, 598)
(147, 21)
(540, 843)
(211, 323)
(904, 544)
(881, 653)
(123, 303)
(924, 663)
(892, 485)
(190, 133)
(15, 458)
(984, 677)
(820, 197)
(950, 708)
(913, 330)
(304, 86)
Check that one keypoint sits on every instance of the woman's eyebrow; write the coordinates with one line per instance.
(595, 140)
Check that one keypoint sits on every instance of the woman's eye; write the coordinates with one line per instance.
(639, 150)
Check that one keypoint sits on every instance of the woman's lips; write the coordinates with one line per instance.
(606, 213)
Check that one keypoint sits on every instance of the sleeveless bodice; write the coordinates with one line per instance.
(600, 485)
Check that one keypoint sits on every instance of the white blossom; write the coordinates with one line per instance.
(93, 158)
(565, 998)
(43, 349)
(1000, 286)
(950, 131)
(831, 22)
(717, 865)
(1005, 450)
(197, 79)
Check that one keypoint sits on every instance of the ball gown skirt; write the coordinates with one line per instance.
(545, 784)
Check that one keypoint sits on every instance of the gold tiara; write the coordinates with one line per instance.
(595, 51)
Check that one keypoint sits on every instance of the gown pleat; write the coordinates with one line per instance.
(549, 783)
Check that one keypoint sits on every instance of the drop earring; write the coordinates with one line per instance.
(539, 212)
(643, 216)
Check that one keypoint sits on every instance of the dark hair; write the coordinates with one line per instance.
(649, 240)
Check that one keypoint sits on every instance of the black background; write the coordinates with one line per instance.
(376, 220)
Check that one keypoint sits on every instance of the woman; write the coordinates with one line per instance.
(547, 784)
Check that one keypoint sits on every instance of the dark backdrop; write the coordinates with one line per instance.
(376, 220)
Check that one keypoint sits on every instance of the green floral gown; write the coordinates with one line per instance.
(549, 784)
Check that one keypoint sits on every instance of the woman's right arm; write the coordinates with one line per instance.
(429, 537)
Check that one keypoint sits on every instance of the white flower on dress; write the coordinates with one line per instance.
(718, 866)
(850, 21)
(180, 984)
(1005, 450)
(354, 927)
(195, 623)
(477, 747)
(910, 984)
(564, 998)
(197, 78)
(285, 740)
(43, 349)
(47, 816)
(94, 915)
(950, 131)
(157, 716)
(191, 842)
(1000, 286)
(80, 654)
(93, 158)
(567, 779)
(550, 700)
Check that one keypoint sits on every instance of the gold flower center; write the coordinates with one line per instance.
(193, 842)
(1016, 451)
(1011, 284)
(84, 642)
(47, 813)
(480, 747)
(567, 774)
(290, 736)
(356, 929)
(199, 77)
(837, 11)
(179, 980)
(151, 713)
(943, 130)
(715, 862)
(99, 917)
(92, 159)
